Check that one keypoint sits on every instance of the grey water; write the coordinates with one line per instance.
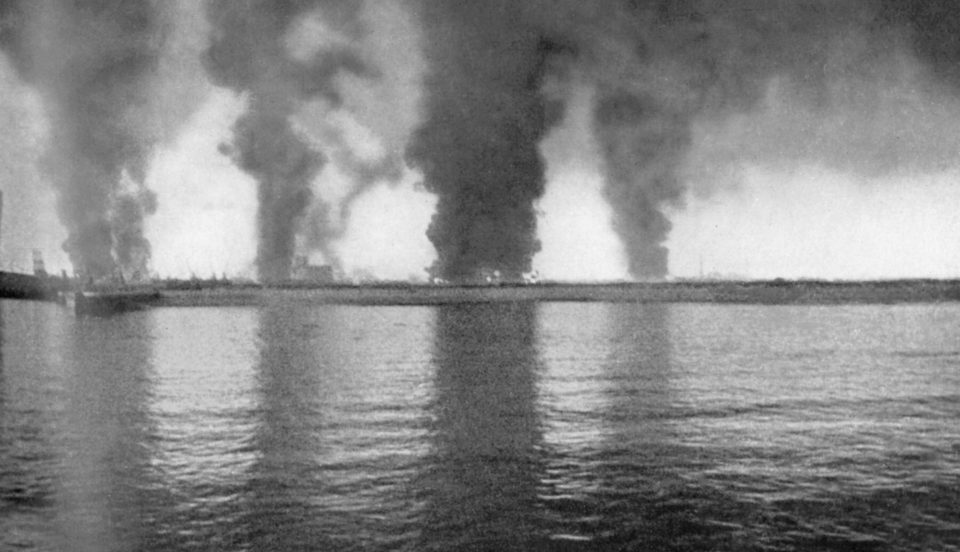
(515, 426)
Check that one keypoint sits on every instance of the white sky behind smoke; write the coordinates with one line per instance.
(803, 221)
(762, 213)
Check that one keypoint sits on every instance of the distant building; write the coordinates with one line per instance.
(39, 268)
(303, 271)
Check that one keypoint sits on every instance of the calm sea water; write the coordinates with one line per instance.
(481, 427)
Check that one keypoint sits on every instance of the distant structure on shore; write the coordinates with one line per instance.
(39, 267)
(714, 277)
(303, 271)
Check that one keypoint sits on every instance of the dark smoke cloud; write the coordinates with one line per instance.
(932, 28)
(485, 114)
(684, 92)
(13, 27)
(364, 137)
(94, 63)
(257, 50)
(486, 111)
(668, 78)
(27, 225)
(133, 249)
(658, 67)
(642, 146)
(822, 82)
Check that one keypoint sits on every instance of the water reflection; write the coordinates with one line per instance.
(107, 365)
(637, 374)
(642, 464)
(337, 440)
(31, 401)
(202, 411)
(485, 466)
(3, 386)
(552, 426)
(607, 398)
(286, 478)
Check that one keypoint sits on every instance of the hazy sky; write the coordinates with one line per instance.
(780, 183)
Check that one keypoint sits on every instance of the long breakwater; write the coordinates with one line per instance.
(748, 292)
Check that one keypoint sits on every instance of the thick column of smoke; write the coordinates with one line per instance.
(93, 61)
(478, 145)
(659, 66)
(653, 71)
(365, 137)
(642, 147)
(934, 27)
(251, 53)
(648, 70)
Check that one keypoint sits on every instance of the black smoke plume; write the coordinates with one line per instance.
(642, 146)
(660, 66)
(94, 64)
(676, 83)
(485, 115)
(254, 51)
(658, 69)
(665, 66)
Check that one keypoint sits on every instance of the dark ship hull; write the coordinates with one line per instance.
(107, 302)
(14, 285)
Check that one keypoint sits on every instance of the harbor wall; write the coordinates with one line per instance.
(767, 292)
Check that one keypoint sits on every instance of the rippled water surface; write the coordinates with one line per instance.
(481, 427)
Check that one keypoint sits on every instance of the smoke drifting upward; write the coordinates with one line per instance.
(478, 146)
(486, 111)
(844, 76)
(662, 72)
(93, 63)
(323, 226)
(283, 164)
(660, 66)
(268, 50)
(364, 137)
(685, 93)
(642, 146)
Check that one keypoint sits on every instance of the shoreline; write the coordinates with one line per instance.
(776, 292)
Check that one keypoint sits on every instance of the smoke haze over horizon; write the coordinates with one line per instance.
(574, 139)
(100, 69)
